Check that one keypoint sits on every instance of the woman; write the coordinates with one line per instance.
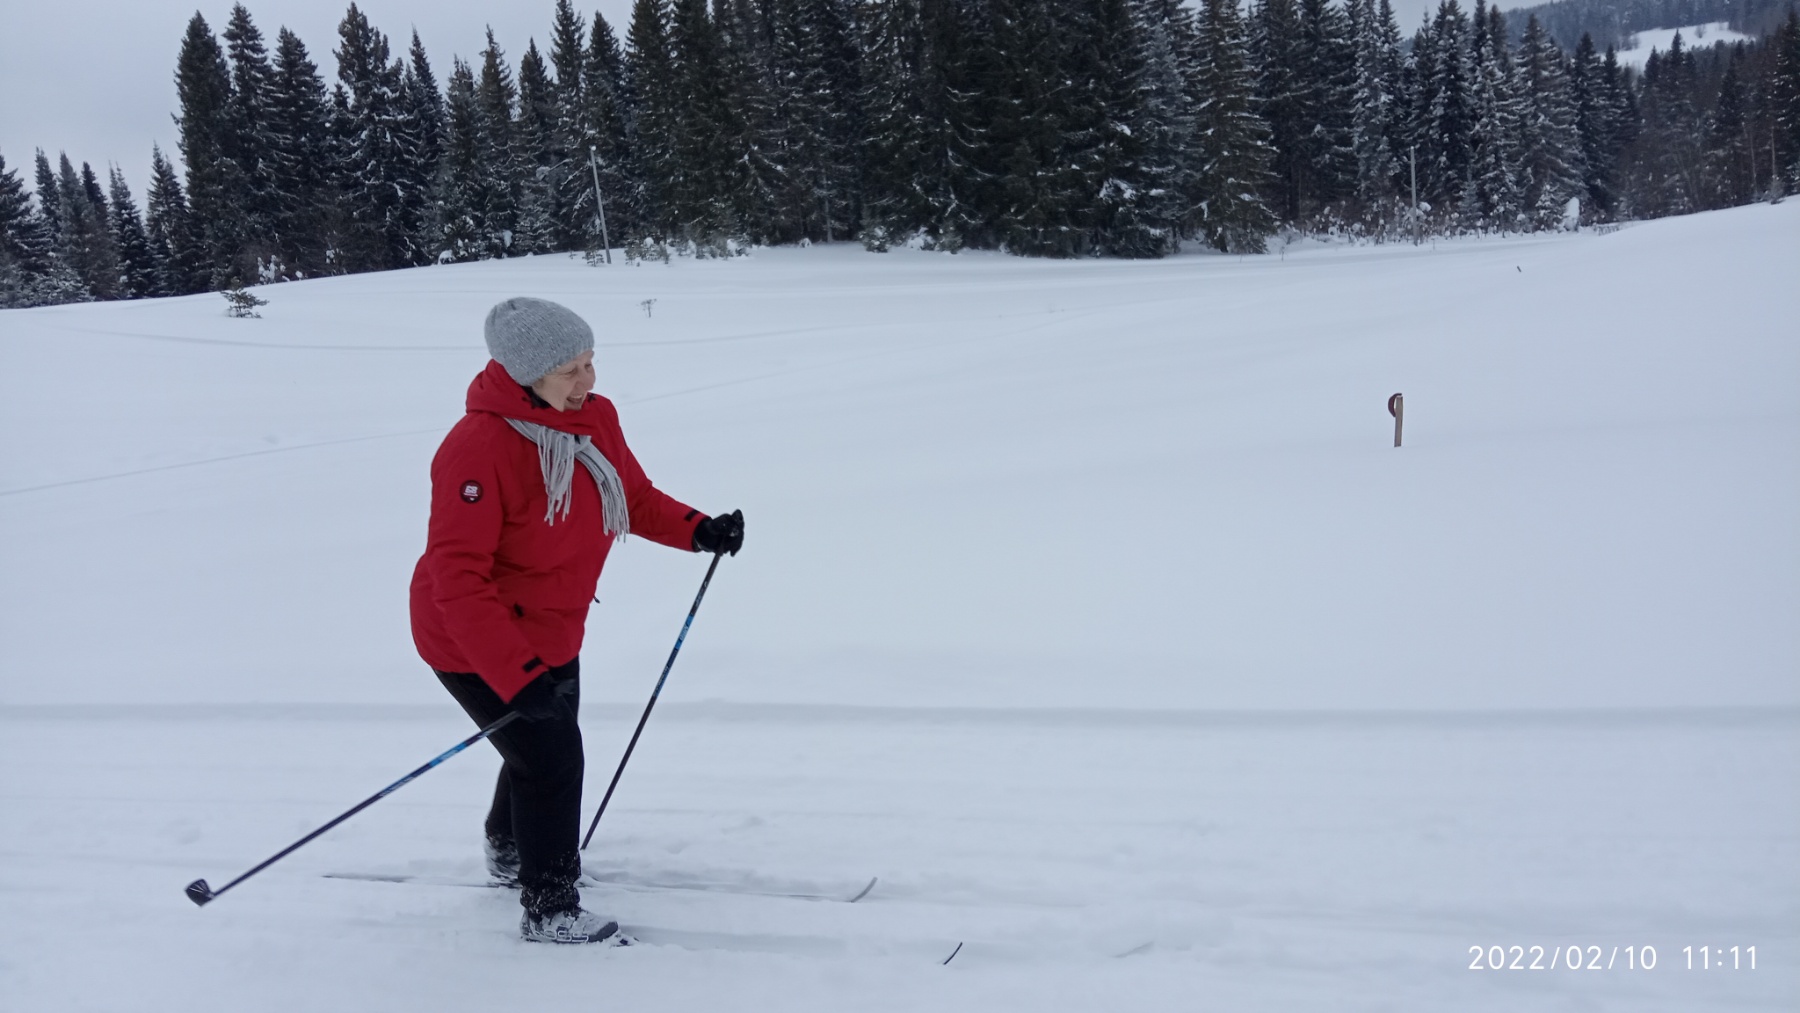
(528, 493)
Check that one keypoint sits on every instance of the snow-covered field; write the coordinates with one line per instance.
(1692, 37)
(1087, 605)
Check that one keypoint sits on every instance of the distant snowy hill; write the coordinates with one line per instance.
(1660, 39)
(1614, 22)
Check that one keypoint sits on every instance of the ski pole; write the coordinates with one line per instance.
(201, 894)
(652, 704)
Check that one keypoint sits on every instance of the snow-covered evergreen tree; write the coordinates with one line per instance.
(1232, 149)
(247, 148)
(1493, 194)
(1669, 174)
(1728, 141)
(424, 112)
(1275, 44)
(383, 194)
(203, 85)
(540, 158)
(1326, 69)
(303, 212)
(651, 76)
(1784, 99)
(1550, 155)
(1374, 106)
(1595, 127)
(1444, 114)
(30, 272)
(497, 188)
(138, 270)
(83, 239)
(175, 243)
(461, 223)
(604, 123)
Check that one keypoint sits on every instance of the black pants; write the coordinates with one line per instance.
(537, 801)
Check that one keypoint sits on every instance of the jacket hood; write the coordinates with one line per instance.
(496, 392)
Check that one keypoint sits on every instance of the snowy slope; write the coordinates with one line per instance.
(975, 480)
(1086, 604)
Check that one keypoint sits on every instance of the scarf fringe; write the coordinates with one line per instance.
(557, 453)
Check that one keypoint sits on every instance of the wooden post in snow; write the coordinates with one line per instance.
(1397, 408)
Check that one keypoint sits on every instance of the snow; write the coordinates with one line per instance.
(1085, 604)
(1692, 37)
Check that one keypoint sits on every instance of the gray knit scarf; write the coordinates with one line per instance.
(557, 453)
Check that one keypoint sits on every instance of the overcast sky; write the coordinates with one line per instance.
(98, 80)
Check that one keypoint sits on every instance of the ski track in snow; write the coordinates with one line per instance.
(1085, 605)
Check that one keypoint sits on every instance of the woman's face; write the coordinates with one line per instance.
(566, 387)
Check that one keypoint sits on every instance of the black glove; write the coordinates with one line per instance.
(544, 698)
(724, 533)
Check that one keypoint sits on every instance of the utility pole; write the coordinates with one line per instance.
(600, 203)
(1412, 161)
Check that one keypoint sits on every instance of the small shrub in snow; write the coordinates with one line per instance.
(240, 303)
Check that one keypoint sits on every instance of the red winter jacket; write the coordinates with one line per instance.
(499, 592)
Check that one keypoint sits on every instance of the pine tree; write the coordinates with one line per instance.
(540, 158)
(27, 248)
(498, 188)
(461, 216)
(423, 107)
(1165, 123)
(1669, 179)
(1494, 192)
(247, 165)
(573, 176)
(1234, 157)
(1326, 70)
(383, 195)
(49, 202)
(705, 142)
(203, 84)
(797, 125)
(1784, 99)
(651, 76)
(1281, 92)
(1445, 114)
(1373, 106)
(1727, 147)
(138, 269)
(906, 146)
(85, 242)
(603, 147)
(303, 199)
(1037, 198)
(1550, 149)
(1595, 126)
(175, 242)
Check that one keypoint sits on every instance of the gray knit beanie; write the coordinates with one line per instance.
(530, 337)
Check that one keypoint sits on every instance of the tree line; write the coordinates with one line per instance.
(1041, 127)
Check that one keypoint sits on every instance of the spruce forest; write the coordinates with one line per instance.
(1056, 128)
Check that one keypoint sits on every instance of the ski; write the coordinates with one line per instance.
(588, 880)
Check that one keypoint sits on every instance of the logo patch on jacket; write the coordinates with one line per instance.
(471, 491)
